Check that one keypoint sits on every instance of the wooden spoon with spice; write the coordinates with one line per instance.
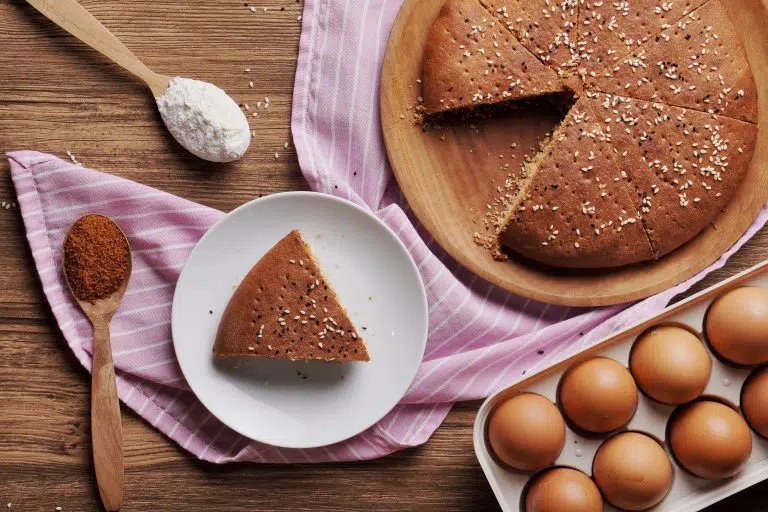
(97, 264)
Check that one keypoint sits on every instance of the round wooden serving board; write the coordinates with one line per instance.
(448, 174)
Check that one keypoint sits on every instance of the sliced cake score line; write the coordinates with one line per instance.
(679, 161)
(571, 212)
(626, 49)
(562, 37)
(675, 105)
(698, 63)
(629, 188)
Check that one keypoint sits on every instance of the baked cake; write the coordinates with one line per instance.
(660, 128)
(285, 308)
(583, 213)
(471, 61)
(698, 63)
(681, 165)
(547, 28)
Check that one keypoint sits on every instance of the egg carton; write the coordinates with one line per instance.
(688, 493)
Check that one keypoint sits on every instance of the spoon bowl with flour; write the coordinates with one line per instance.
(200, 116)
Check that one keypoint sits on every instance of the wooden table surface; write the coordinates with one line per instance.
(56, 95)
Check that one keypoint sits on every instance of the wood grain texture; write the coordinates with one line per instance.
(58, 95)
(451, 173)
(72, 17)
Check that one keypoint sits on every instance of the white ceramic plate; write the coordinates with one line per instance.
(295, 404)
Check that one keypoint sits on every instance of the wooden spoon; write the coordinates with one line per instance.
(106, 427)
(73, 18)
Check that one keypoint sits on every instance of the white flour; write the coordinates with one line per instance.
(205, 120)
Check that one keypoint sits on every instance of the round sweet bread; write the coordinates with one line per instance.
(660, 127)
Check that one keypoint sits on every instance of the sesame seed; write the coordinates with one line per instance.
(250, 349)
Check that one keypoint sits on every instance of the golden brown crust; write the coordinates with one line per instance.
(699, 64)
(575, 211)
(609, 30)
(551, 37)
(682, 165)
(286, 309)
(470, 59)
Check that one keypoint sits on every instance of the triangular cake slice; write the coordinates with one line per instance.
(699, 64)
(573, 209)
(285, 308)
(547, 28)
(470, 60)
(683, 165)
(610, 30)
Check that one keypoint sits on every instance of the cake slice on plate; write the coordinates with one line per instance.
(285, 308)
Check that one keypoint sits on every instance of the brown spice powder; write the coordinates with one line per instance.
(97, 259)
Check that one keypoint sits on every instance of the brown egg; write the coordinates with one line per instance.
(670, 364)
(710, 440)
(562, 489)
(598, 395)
(754, 402)
(527, 432)
(737, 325)
(633, 471)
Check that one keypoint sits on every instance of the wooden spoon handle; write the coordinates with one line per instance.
(106, 428)
(73, 18)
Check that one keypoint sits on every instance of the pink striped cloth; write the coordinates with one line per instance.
(480, 338)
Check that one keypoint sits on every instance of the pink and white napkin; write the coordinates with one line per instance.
(481, 338)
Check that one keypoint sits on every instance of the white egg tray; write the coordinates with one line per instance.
(688, 493)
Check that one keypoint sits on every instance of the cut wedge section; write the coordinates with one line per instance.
(610, 30)
(285, 308)
(573, 209)
(682, 165)
(699, 64)
(547, 28)
(470, 60)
